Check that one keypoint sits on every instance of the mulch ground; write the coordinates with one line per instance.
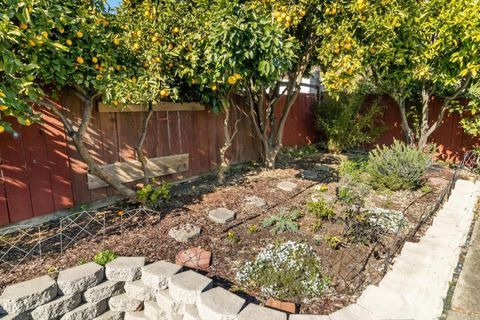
(352, 266)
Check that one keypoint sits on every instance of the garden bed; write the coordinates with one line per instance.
(352, 260)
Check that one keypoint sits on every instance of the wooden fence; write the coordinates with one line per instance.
(450, 138)
(41, 172)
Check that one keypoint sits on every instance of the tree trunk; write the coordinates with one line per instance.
(270, 156)
(227, 104)
(77, 137)
(139, 149)
(407, 131)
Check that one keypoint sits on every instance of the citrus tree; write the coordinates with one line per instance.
(414, 51)
(240, 51)
(153, 32)
(286, 64)
(50, 46)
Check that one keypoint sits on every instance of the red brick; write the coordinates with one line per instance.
(288, 307)
(196, 258)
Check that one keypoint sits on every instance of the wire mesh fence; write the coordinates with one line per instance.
(22, 242)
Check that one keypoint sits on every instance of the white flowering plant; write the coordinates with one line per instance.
(289, 271)
(387, 220)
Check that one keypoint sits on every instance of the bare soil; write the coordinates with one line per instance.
(352, 266)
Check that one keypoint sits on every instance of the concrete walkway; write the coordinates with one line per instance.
(466, 297)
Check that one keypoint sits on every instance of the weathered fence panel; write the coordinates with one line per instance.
(41, 171)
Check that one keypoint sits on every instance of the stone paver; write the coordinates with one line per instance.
(123, 303)
(18, 316)
(167, 304)
(219, 304)
(385, 303)
(287, 186)
(28, 295)
(185, 232)
(125, 269)
(196, 258)
(191, 313)
(255, 201)
(110, 315)
(157, 275)
(57, 307)
(86, 311)
(103, 291)
(186, 287)
(466, 297)
(353, 312)
(253, 311)
(221, 215)
(136, 315)
(138, 290)
(152, 311)
(80, 278)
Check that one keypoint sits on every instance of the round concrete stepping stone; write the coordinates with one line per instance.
(255, 201)
(196, 258)
(125, 269)
(157, 275)
(123, 303)
(186, 287)
(221, 215)
(86, 311)
(138, 290)
(219, 304)
(80, 278)
(28, 295)
(287, 186)
(183, 233)
(110, 315)
(253, 311)
(57, 307)
(103, 291)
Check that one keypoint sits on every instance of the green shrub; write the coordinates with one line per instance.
(283, 222)
(352, 188)
(289, 270)
(397, 167)
(104, 257)
(320, 209)
(152, 193)
(347, 122)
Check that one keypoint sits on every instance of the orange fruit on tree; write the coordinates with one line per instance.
(68, 42)
(23, 26)
(45, 34)
(232, 80)
(3, 107)
(2, 129)
(79, 34)
(80, 60)
(94, 59)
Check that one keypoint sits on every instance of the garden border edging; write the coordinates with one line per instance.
(414, 288)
